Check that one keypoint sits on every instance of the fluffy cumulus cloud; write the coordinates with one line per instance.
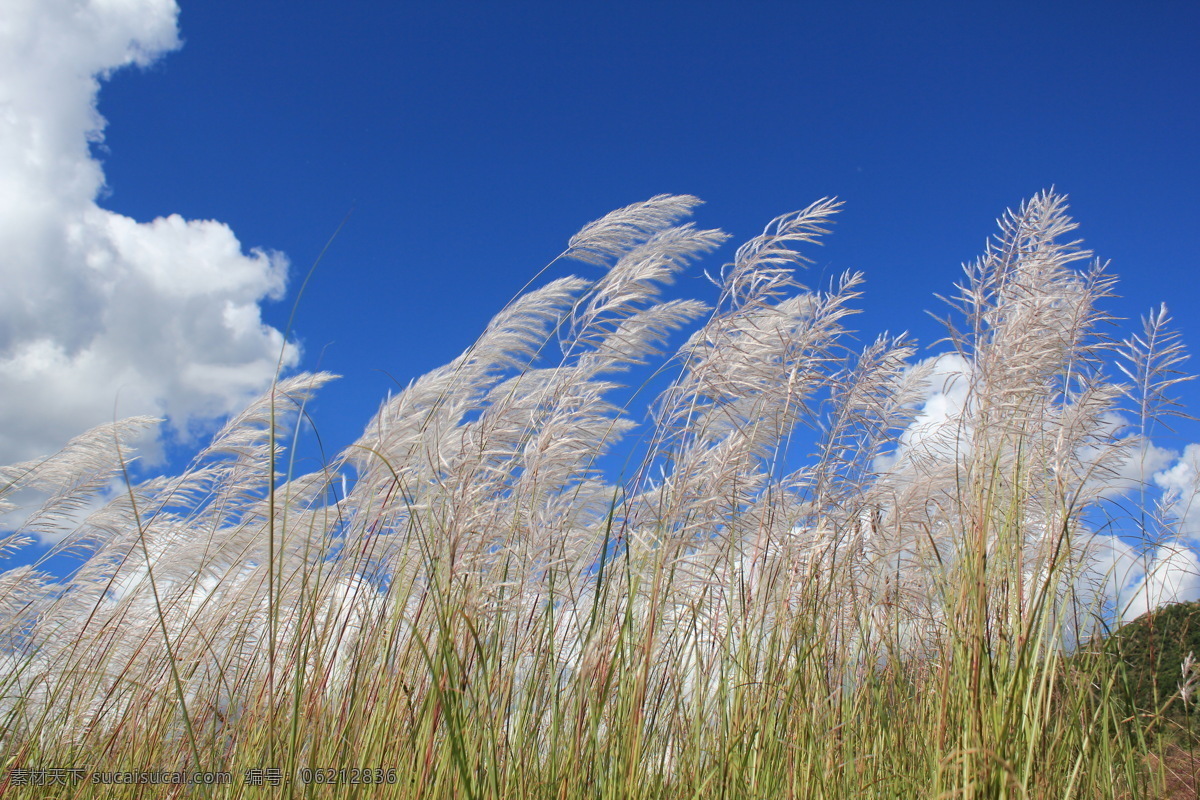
(100, 313)
(1169, 572)
(1134, 580)
(936, 431)
(1129, 574)
(1172, 576)
(1181, 485)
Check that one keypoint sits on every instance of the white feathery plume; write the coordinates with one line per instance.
(618, 231)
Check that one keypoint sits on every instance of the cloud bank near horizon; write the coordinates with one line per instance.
(102, 315)
(1134, 571)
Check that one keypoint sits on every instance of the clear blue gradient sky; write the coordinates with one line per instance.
(473, 139)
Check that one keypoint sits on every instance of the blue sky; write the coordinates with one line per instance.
(472, 139)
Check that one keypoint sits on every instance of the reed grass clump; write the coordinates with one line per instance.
(812, 583)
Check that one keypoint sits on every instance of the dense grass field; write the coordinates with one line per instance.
(809, 581)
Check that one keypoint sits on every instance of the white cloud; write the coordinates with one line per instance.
(1133, 581)
(936, 429)
(1181, 487)
(1125, 580)
(1170, 572)
(101, 315)
(935, 432)
(1134, 472)
(1172, 576)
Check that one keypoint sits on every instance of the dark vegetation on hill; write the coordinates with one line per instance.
(1145, 659)
(1153, 650)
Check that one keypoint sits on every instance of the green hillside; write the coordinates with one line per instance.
(1153, 649)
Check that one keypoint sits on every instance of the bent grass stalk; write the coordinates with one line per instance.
(482, 614)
